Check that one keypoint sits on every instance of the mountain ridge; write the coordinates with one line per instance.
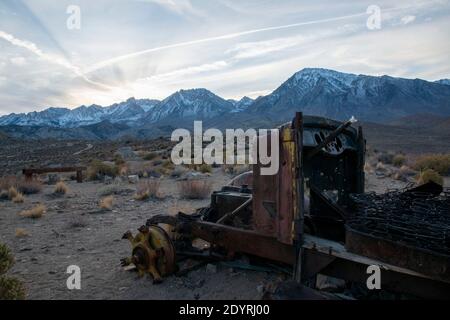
(314, 91)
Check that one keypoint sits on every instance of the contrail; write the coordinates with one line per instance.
(115, 60)
(30, 46)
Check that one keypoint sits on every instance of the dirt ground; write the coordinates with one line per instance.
(74, 231)
(96, 247)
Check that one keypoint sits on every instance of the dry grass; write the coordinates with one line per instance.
(429, 175)
(235, 169)
(106, 203)
(399, 160)
(150, 156)
(36, 212)
(439, 163)
(19, 198)
(21, 233)
(12, 193)
(194, 189)
(147, 189)
(21, 185)
(99, 169)
(61, 188)
(205, 168)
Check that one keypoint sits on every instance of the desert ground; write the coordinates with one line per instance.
(74, 230)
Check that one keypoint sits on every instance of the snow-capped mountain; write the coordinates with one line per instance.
(124, 112)
(340, 95)
(242, 104)
(444, 81)
(314, 91)
(199, 103)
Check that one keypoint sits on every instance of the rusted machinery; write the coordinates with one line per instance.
(29, 172)
(298, 217)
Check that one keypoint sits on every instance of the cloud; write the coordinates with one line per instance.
(121, 58)
(33, 48)
(176, 6)
(18, 61)
(189, 71)
(408, 19)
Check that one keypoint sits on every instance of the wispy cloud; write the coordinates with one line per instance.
(33, 48)
(234, 35)
(151, 48)
(408, 19)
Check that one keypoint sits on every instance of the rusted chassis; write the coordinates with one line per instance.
(279, 217)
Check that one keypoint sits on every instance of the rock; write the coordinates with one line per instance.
(260, 288)
(133, 179)
(211, 268)
(52, 178)
(107, 180)
(329, 284)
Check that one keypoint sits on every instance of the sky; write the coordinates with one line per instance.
(82, 52)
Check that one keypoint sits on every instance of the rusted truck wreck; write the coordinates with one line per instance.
(314, 217)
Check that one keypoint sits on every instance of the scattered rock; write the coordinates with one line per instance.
(52, 179)
(260, 288)
(134, 179)
(211, 268)
(329, 284)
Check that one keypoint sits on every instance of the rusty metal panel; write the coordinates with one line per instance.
(265, 193)
(287, 198)
(417, 259)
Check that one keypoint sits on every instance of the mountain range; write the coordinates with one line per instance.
(314, 91)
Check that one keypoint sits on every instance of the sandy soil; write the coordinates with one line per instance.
(96, 247)
(54, 243)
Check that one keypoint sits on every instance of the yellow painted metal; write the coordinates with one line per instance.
(152, 252)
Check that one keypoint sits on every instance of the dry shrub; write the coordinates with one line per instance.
(439, 163)
(19, 198)
(177, 172)
(205, 168)
(380, 167)
(194, 189)
(368, 168)
(21, 185)
(6, 259)
(11, 289)
(150, 156)
(61, 188)
(21, 233)
(386, 157)
(107, 203)
(12, 193)
(99, 169)
(167, 164)
(4, 195)
(429, 175)
(118, 160)
(399, 160)
(147, 189)
(404, 173)
(111, 189)
(77, 221)
(236, 169)
(35, 212)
